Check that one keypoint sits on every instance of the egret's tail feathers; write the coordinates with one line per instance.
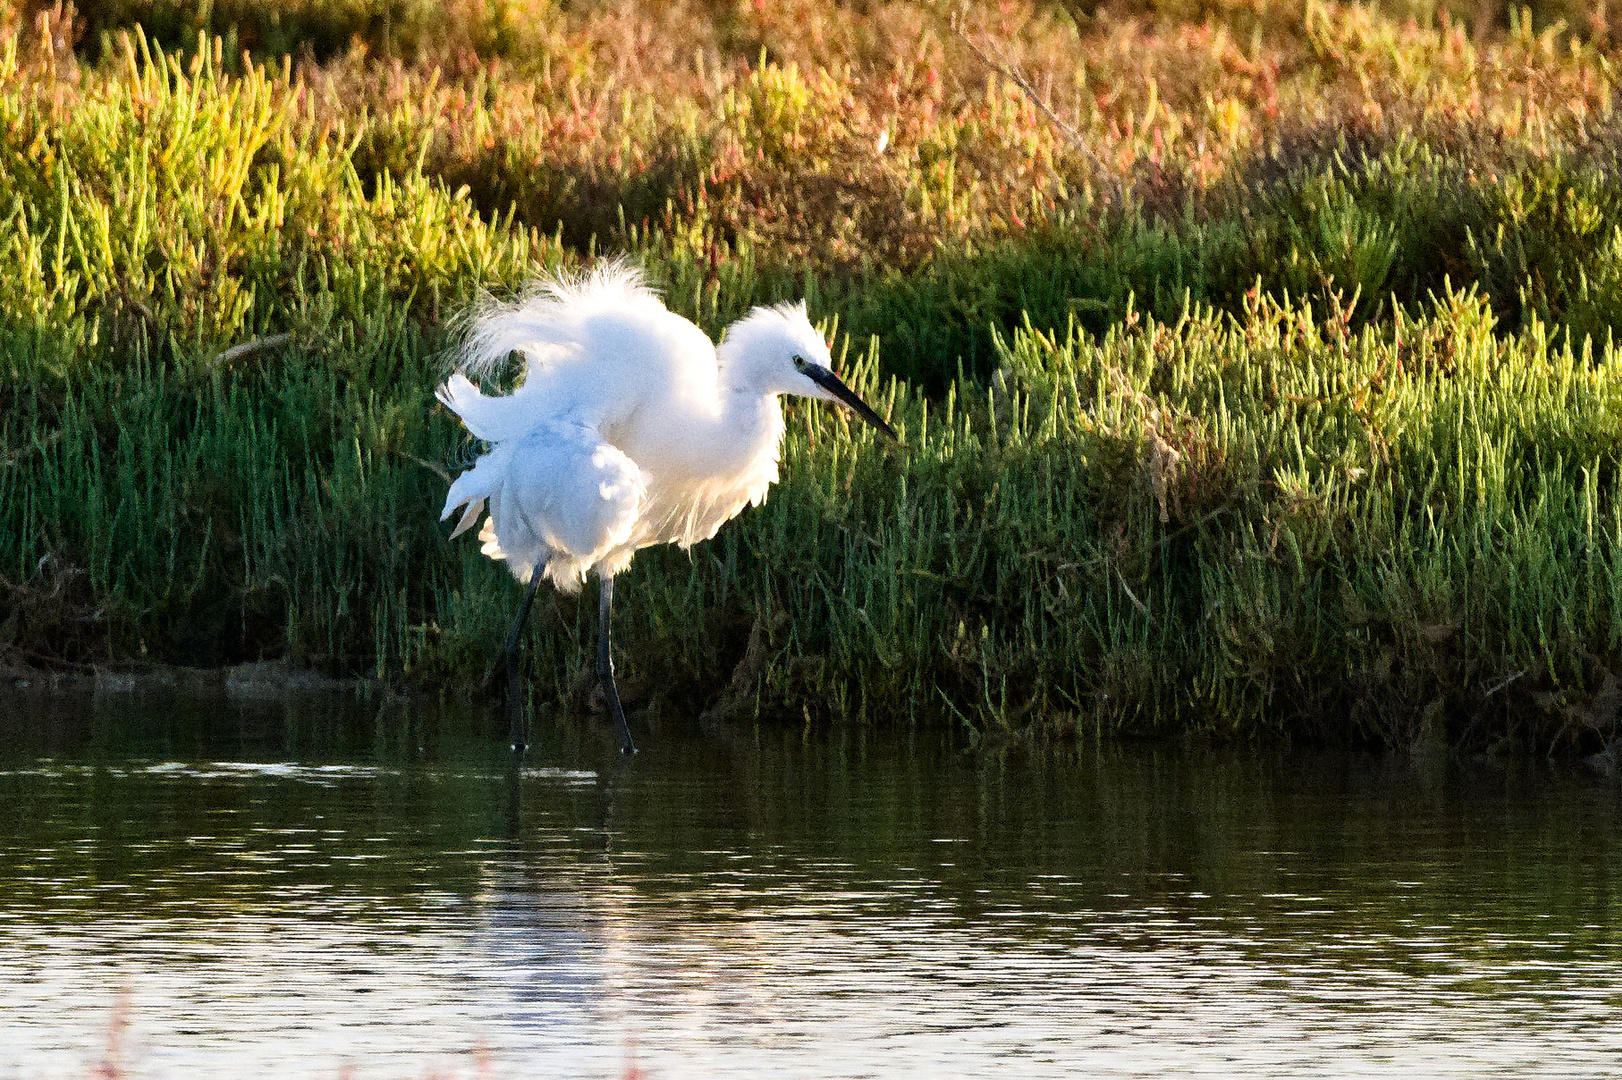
(474, 488)
(560, 497)
(547, 323)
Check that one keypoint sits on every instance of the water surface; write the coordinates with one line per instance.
(302, 890)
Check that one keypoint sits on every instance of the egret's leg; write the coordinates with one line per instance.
(605, 662)
(515, 686)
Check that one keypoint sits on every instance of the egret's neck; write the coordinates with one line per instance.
(749, 423)
(748, 397)
(753, 418)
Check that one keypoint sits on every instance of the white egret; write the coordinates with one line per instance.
(630, 428)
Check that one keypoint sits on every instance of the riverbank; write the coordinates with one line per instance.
(265, 680)
(1277, 403)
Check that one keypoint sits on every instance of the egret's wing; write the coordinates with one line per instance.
(549, 323)
(598, 348)
(559, 497)
(489, 418)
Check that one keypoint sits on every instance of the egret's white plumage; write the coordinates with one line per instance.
(630, 428)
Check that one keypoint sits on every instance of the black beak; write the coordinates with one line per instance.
(830, 382)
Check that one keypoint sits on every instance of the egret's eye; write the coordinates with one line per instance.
(799, 363)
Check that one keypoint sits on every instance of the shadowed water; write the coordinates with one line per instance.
(291, 891)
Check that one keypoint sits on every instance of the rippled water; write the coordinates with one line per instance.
(296, 892)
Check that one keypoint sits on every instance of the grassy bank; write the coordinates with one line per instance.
(1256, 374)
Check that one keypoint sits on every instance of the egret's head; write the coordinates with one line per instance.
(776, 350)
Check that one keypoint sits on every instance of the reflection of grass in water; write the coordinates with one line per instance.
(1396, 520)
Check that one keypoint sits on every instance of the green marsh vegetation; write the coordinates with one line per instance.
(1256, 365)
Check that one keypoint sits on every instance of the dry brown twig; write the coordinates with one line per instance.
(1012, 73)
(248, 348)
